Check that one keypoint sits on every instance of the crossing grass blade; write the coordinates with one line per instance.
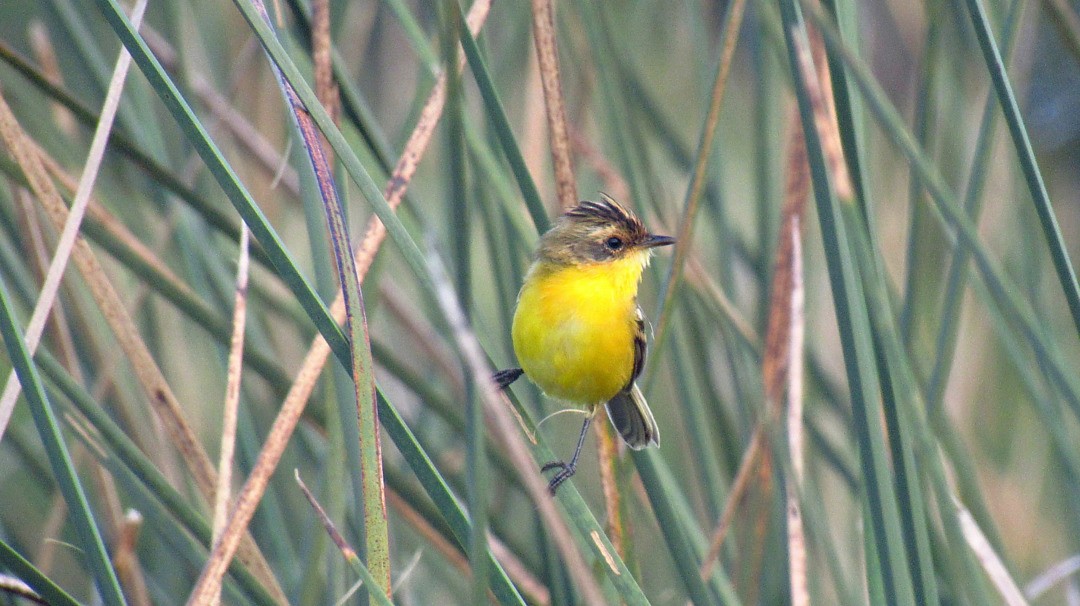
(64, 472)
(862, 377)
(939, 341)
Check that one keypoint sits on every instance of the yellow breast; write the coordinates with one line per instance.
(574, 328)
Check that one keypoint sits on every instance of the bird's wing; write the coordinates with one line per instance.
(628, 410)
(639, 348)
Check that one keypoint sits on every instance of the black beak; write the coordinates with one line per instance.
(652, 241)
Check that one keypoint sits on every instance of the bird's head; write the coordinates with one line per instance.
(598, 232)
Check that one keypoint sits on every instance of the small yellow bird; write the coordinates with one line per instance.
(578, 332)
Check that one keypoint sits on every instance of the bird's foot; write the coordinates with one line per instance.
(504, 378)
(565, 471)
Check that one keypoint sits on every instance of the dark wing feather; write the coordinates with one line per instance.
(639, 348)
(628, 410)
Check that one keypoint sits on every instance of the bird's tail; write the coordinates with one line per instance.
(630, 414)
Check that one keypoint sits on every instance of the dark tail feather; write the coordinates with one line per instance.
(503, 378)
(630, 414)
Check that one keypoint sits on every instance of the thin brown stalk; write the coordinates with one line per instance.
(507, 429)
(232, 395)
(222, 110)
(777, 356)
(534, 139)
(608, 453)
(738, 491)
(430, 535)
(39, 253)
(797, 559)
(784, 337)
(683, 235)
(126, 560)
(331, 529)
(163, 402)
(325, 87)
(73, 220)
(547, 56)
(314, 361)
(788, 293)
(814, 66)
(613, 181)
(523, 578)
(797, 192)
(45, 54)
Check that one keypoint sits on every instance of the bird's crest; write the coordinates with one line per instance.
(606, 212)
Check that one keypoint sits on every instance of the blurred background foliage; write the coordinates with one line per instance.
(637, 78)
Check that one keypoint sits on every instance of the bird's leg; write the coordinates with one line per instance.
(503, 378)
(567, 469)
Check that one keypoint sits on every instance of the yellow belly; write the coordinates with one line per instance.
(574, 329)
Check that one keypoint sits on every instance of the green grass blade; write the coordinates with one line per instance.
(911, 439)
(897, 382)
(1002, 289)
(29, 574)
(1029, 165)
(409, 250)
(695, 190)
(460, 234)
(855, 339)
(354, 104)
(223, 173)
(125, 453)
(945, 343)
(64, 472)
(497, 116)
(918, 248)
(680, 532)
(122, 143)
(898, 387)
(436, 487)
(370, 485)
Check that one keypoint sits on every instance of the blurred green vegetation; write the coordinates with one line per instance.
(953, 310)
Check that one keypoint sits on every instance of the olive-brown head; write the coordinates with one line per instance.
(597, 232)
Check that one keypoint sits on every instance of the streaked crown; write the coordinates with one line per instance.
(595, 232)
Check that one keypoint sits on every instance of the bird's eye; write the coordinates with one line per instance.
(613, 243)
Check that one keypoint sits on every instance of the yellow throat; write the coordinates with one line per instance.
(574, 327)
